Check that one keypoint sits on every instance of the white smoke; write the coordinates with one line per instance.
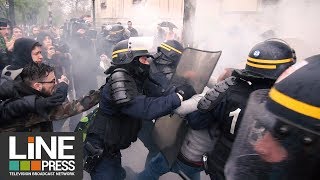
(235, 33)
(147, 15)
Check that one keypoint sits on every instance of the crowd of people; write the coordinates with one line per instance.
(258, 122)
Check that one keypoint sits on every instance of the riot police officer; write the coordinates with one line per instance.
(222, 107)
(279, 134)
(162, 68)
(116, 33)
(122, 108)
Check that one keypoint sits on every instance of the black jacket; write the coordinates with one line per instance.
(19, 105)
(225, 118)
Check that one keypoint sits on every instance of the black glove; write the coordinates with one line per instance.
(44, 105)
(186, 91)
(62, 89)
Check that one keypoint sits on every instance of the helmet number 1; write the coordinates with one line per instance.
(235, 115)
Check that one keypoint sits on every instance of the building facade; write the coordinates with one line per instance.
(138, 11)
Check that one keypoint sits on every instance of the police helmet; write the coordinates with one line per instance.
(295, 102)
(116, 29)
(115, 32)
(295, 95)
(124, 52)
(279, 134)
(270, 58)
(171, 51)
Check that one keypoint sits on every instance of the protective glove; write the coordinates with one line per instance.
(186, 91)
(44, 105)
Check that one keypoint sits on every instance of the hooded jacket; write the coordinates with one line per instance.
(21, 57)
(22, 53)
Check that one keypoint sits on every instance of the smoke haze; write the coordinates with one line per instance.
(235, 33)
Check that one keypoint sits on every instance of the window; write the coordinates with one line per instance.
(103, 4)
(269, 2)
(136, 1)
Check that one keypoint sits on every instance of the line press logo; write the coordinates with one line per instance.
(44, 155)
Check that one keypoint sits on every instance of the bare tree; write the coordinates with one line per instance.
(76, 8)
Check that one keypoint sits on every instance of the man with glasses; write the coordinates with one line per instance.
(27, 51)
(38, 100)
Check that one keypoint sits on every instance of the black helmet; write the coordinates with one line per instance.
(279, 134)
(295, 102)
(270, 58)
(171, 50)
(124, 52)
(115, 33)
(296, 98)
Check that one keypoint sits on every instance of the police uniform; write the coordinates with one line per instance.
(223, 106)
(121, 110)
(162, 68)
(115, 35)
(279, 134)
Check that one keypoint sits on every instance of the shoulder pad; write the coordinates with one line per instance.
(123, 86)
(215, 94)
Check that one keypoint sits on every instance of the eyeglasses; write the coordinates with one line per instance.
(4, 28)
(53, 81)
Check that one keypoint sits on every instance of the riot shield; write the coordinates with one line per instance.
(168, 134)
(195, 67)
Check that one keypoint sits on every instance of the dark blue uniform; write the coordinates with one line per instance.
(155, 86)
(116, 126)
(226, 116)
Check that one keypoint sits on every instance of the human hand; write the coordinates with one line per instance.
(186, 91)
(63, 79)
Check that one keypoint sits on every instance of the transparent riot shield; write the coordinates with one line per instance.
(195, 67)
(168, 133)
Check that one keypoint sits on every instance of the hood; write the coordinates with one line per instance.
(22, 52)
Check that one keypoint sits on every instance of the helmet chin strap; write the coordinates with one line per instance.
(157, 55)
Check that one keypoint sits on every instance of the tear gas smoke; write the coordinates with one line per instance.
(147, 15)
(235, 33)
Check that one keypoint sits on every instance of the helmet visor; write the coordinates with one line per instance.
(267, 147)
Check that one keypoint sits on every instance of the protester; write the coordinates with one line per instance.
(133, 31)
(38, 81)
(4, 36)
(34, 32)
(25, 51)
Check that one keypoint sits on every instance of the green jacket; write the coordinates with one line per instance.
(34, 122)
